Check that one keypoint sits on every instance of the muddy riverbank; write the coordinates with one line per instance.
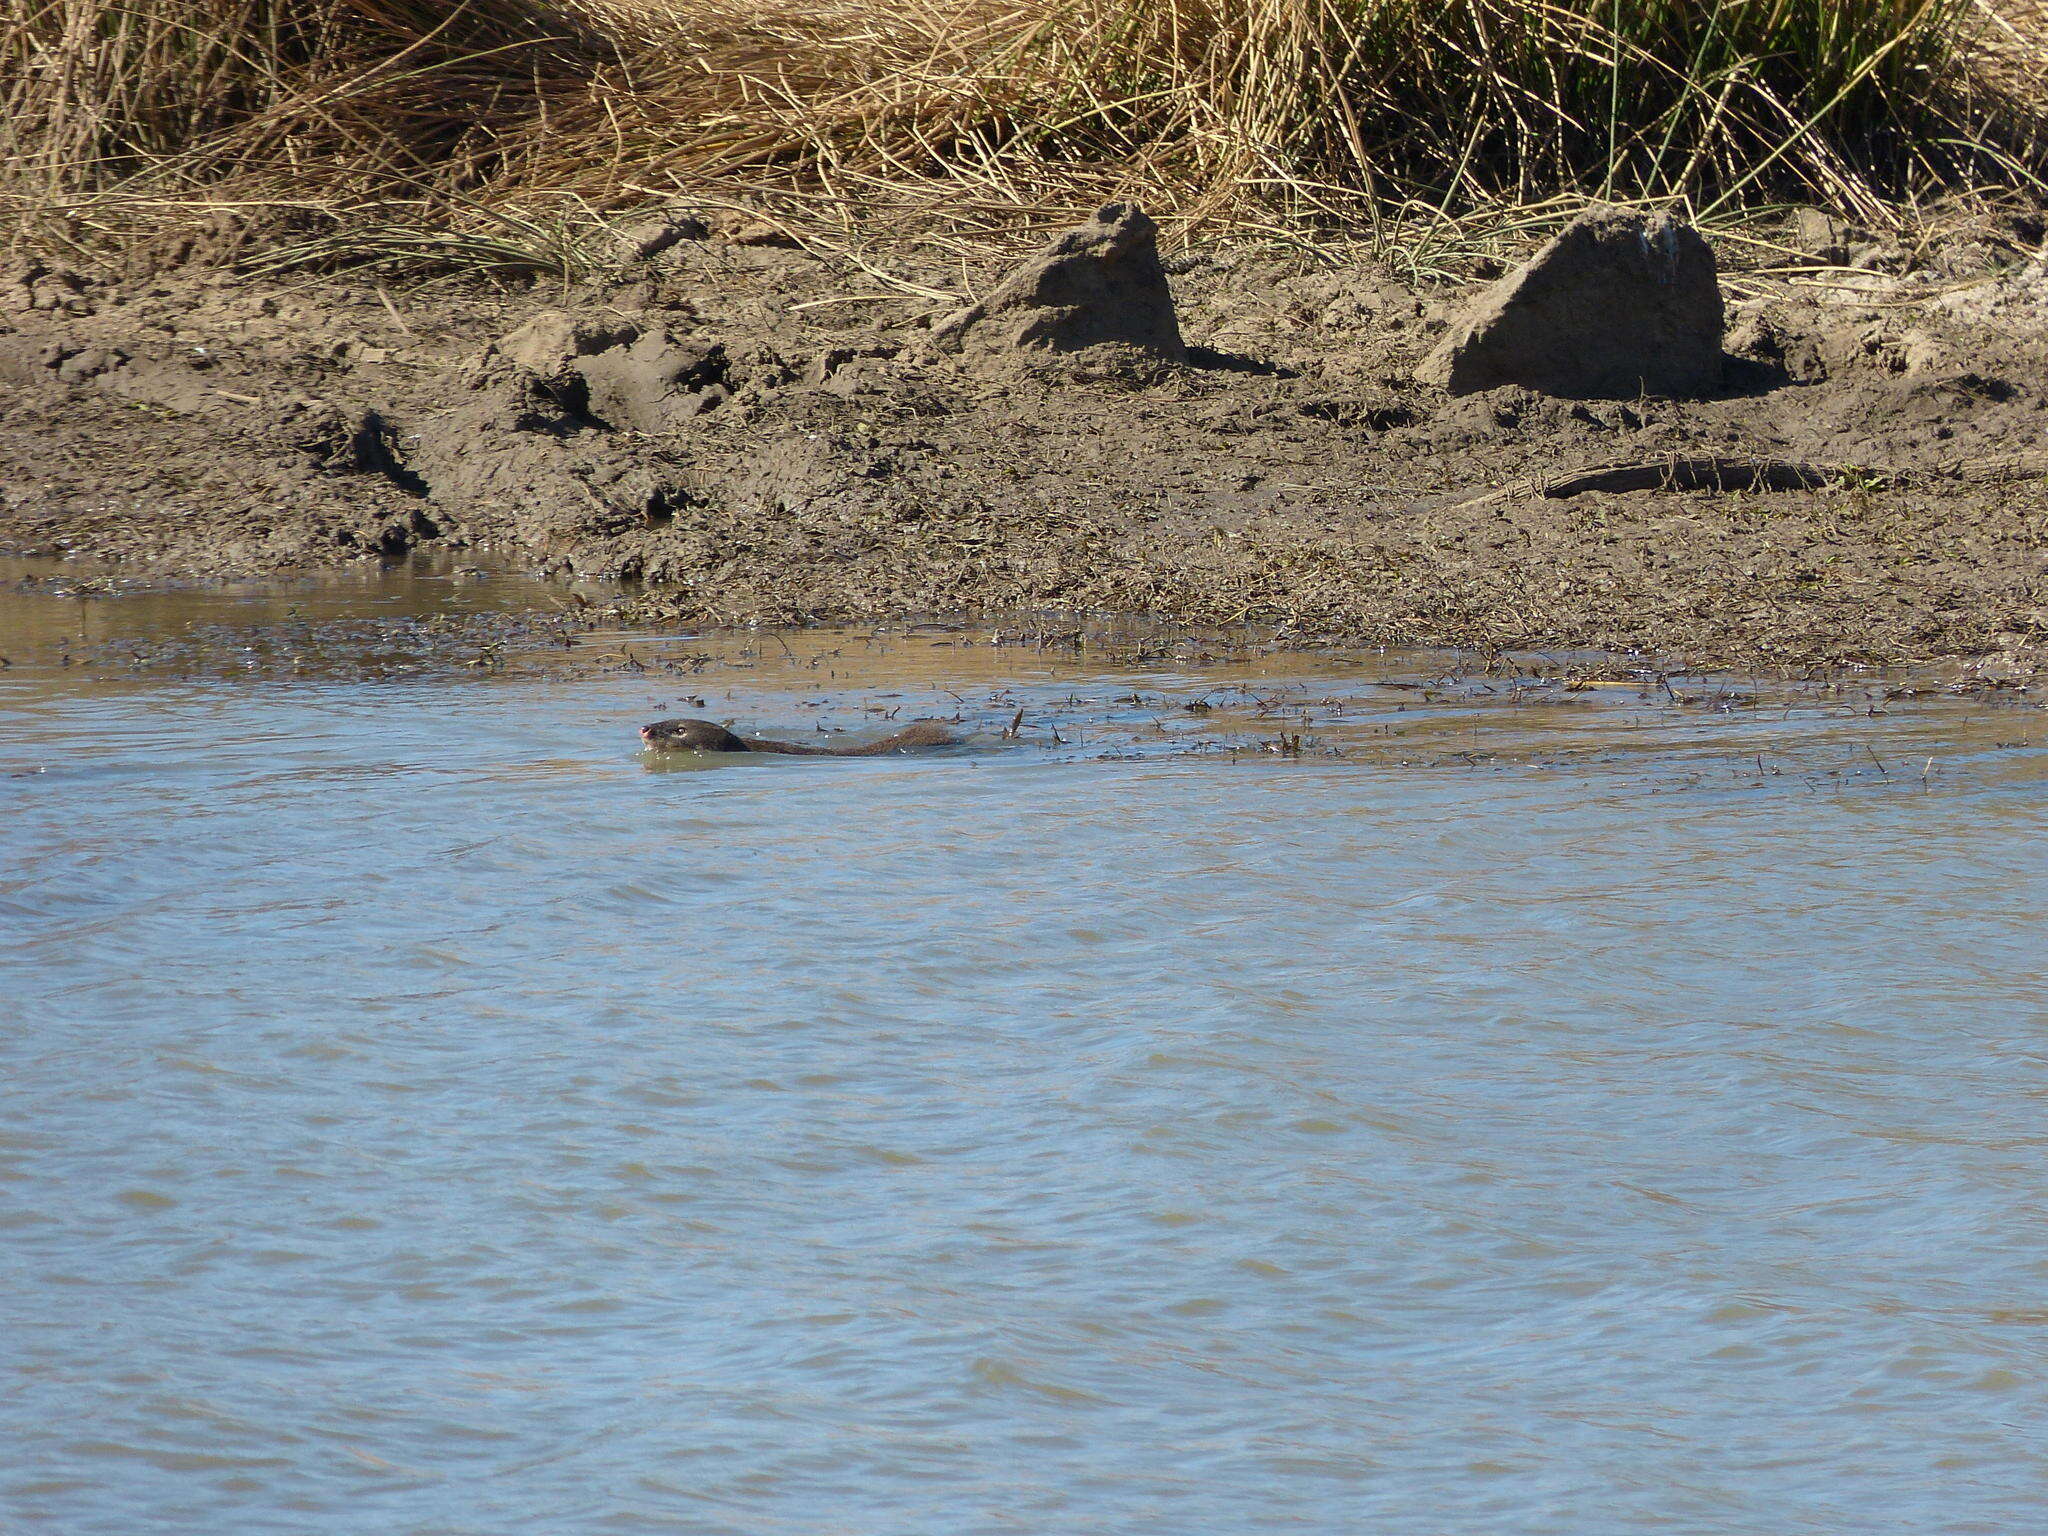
(760, 432)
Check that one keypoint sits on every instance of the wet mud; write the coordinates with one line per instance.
(742, 433)
(1028, 691)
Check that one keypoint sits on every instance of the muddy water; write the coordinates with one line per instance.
(1249, 1096)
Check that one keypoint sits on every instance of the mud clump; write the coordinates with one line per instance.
(657, 382)
(615, 373)
(1097, 289)
(40, 285)
(1618, 305)
(651, 239)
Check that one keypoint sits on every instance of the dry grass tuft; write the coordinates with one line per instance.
(491, 117)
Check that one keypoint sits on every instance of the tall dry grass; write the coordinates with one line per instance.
(984, 112)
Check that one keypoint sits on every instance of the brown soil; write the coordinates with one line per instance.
(751, 431)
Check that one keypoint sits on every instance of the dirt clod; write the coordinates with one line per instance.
(1618, 305)
(1099, 285)
(651, 239)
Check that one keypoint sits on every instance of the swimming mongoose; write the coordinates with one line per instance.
(704, 736)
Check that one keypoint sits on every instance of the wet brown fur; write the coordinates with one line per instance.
(705, 736)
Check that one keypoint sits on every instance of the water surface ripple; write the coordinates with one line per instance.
(416, 1115)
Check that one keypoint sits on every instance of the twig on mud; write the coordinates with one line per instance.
(855, 298)
(391, 309)
(1676, 472)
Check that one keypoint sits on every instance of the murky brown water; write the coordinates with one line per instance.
(1524, 1111)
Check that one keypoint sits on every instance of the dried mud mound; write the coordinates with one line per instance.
(1097, 289)
(1620, 304)
(749, 430)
